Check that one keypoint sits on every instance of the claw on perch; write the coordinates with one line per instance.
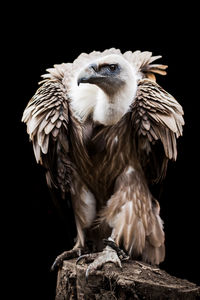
(109, 255)
(65, 255)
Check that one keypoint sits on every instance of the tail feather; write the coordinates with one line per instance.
(153, 255)
(157, 237)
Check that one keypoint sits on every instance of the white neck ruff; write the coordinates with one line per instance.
(89, 99)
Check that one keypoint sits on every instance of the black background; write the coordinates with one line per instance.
(38, 39)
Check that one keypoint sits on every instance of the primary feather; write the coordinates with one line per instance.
(105, 130)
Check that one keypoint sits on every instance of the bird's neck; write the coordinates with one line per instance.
(104, 108)
(109, 109)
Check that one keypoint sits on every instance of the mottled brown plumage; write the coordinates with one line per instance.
(104, 130)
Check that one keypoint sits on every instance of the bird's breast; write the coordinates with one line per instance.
(101, 153)
(109, 151)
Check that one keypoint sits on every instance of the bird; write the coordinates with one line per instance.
(104, 131)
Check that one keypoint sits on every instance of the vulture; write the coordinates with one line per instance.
(104, 130)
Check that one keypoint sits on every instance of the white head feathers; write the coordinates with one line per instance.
(108, 87)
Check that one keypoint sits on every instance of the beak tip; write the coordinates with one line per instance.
(82, 80)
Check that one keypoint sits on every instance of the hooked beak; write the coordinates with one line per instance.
(90, 75)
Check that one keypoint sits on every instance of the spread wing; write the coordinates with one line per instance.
(157, 120)
(46, 117)
(47, 120)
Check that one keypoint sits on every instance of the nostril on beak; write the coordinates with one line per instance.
(93, 67)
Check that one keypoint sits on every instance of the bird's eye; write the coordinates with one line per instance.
(112, 67)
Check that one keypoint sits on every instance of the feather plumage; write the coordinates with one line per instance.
(157, 116)
(44, 116)
(107, 163)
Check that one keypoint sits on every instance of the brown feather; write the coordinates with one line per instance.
(163, 121)
(45, 115)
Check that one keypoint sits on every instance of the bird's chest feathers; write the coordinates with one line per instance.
(97, 139)
(102, 153)
(106, 145)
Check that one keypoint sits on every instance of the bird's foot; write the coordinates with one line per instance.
(122, 255)
(109, 255)
(73, 253)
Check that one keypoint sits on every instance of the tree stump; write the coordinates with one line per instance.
(137, 280)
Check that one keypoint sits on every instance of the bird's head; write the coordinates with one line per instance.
(110, 73)
(105, 88)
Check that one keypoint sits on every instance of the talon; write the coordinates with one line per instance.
(87, 274)
(65, 255)
(55, 264)
(53, 267)
(80, 258)
(88, 258)
(58, 261)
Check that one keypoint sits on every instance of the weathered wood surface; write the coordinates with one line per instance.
(136, 281)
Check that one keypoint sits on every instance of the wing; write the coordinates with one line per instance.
(47, 120)
(157, 120)
(46, 117)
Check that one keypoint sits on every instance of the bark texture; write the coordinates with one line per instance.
(137, 280)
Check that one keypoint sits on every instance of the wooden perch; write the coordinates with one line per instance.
(137, 280)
